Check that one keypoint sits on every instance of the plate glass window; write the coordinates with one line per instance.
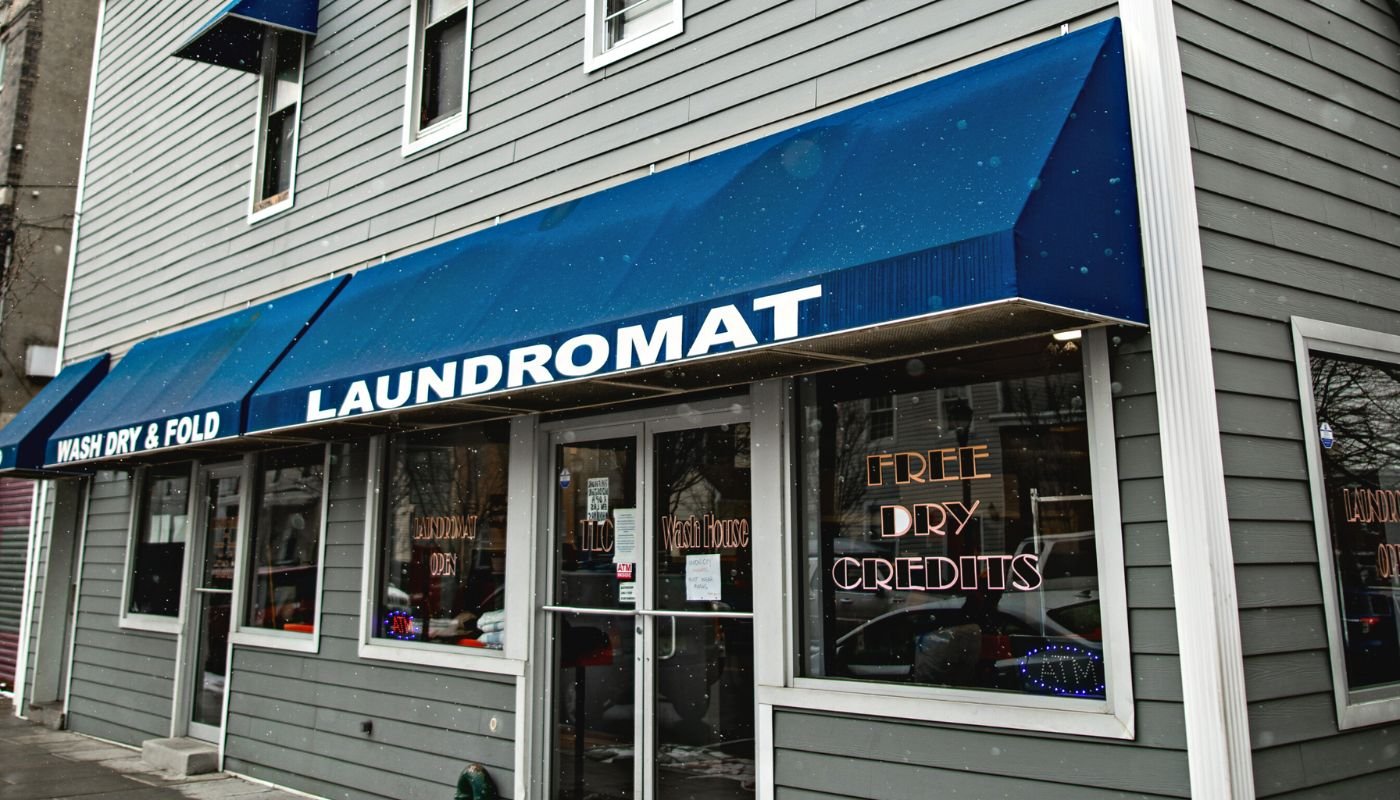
(958, 548)
(286, 541)
(279, 116)
(1357, 403)
(162, 529)
(443, 550)
(440, 74)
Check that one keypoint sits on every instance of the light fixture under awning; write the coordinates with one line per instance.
(22, 440)
(1002, 189)
(186, 388)
(233, 37)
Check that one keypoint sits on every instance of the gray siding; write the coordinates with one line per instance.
(122, 679)
(164, 238)
(1295, 124)
(295, 719)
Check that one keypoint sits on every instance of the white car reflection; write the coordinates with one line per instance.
(1044, 642)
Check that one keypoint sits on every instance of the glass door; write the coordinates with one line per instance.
(217, 542)
(700, 694)
(651, 614)
(595, 628)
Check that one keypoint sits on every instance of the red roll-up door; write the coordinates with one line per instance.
(15, 499)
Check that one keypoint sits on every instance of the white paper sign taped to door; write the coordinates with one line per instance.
(702, 577)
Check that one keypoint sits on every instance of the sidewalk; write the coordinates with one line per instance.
(38, 764)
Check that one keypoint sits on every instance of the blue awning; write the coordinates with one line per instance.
(1007, 183)
(22, 440)
(188, 387)
(233, 37)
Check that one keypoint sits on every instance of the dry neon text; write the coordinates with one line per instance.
(1014, 572)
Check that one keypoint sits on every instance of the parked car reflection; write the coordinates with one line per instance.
(1020, 642)
(1372, 635)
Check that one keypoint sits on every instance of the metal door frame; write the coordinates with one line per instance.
(188, 646)
(642, 426)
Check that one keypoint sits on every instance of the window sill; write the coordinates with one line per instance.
(1364, 707)
(1059, 715)
(272, 206)
(151, 623)
(275, 640)
(430, 655)
(435, 134)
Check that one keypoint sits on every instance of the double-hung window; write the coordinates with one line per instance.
(617, 28)
(279, 118)
(440, 45)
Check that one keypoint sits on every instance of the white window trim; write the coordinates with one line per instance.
(240, 632)
(776, 673)
(154, 623)
(595, 58)
(520, 556)
(1371, 705)
(256, 214)
(416, 140)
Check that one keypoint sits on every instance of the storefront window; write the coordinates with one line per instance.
(443, 551)
(1357, 405)
(286, 541)
(954, 544)
(162, 528)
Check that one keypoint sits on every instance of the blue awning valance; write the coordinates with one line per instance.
(233, 37)
(22, 440)
(188, 387)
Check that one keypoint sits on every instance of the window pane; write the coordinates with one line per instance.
(629, 19)
(286, 540)
(286, 71)
(162, 529)
(281, 105)
(1358, 412)
(444, 69)
(948, 523)
(443, 551)
(277, 153)
(702, 512)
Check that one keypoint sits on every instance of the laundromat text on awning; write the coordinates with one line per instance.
(723, 328)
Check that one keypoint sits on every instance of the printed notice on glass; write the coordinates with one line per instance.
(627, 592)
(624, 535)
(702, 577)
(597, 499)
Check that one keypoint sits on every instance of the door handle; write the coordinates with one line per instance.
(672, 652)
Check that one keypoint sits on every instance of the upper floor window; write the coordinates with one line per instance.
(618, 28)
(279, 117)
(440, 44)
